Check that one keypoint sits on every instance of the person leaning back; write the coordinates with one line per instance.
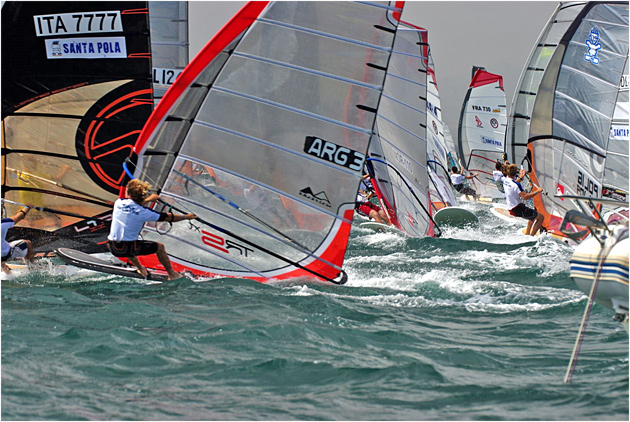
(128, 218)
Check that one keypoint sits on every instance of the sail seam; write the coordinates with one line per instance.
(293, 109)
(324, 34)
(306, 70)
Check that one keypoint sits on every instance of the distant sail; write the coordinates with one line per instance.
(398, 154)
(169, 43)
(517, 131)
(579, 128)
(264, 136)
(76, 92)
(441, 193)
(482, 126)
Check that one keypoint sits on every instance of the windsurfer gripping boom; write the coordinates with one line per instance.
(128, 218)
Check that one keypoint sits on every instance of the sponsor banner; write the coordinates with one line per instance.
(619, 132)
(87, 48)
(490, 141)
(78, 23)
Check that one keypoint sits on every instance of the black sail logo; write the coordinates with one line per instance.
(334, 153)
(321, 197)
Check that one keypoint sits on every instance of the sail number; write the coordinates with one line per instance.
(78, 23)
(224, 245)
(586, 186)
(334, 153)
(163, 76)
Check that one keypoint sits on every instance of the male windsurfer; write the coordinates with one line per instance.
(457, 178)
(21, 248)
(128, 218)
(515, 195)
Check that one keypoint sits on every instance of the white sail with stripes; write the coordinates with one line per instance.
(264, 136)
(398, 154)
(482, 124)
(169, 43)
(517, 131)
(579, 128)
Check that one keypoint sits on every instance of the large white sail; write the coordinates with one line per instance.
(578, 133)
(517, 131)
(264, 136)
(169, 43)
(398, 154)
(482, 124)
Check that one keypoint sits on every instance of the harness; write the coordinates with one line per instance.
(123, 249)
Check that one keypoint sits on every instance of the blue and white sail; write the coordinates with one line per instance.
(578, 138)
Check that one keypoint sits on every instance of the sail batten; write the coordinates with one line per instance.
(271, 133)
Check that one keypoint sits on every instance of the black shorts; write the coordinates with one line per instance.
(133, 248)
(523, 211)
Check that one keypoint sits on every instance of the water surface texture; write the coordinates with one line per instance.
(476, 325)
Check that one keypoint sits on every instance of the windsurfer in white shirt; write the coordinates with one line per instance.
(515, 195)
(498, 175)
(457, 179)
(20, 248)
(128, 218)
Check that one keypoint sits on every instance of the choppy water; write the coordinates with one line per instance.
(476, 325)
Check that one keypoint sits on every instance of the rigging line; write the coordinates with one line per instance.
(342, 280)
(284, 238)
(293, 242)
(412, 192)
(50, 210)
(604, 252)
(59, 184)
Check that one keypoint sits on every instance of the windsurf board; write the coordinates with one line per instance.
(378, 227)
(455, 216)
(83, 260)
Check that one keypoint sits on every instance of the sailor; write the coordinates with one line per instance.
(457, 179)
(128, 218)
(366, 208)
(497, 176)
(515, 195)
(21, 248)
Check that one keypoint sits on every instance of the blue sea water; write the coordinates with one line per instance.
(476, 325)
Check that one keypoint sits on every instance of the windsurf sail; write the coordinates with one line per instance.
(398, 152)
(76, 91)
(579, 127)
(517, 131)
(440, 191)
(263, 136)
(169, 43)
(482, 125)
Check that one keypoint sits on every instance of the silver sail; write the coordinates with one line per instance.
(517, 131)
(169, 43)
(577, 138)
(398, 154)
(264, 137)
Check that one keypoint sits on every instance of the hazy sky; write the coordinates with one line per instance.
(498, 35)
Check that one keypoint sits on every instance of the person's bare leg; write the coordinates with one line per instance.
(537, 224)
(166, 262)
(31, 252)
(529, 227)
(375, 216)
(383, 216)
(134, 260)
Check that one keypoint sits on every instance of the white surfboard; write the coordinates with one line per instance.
(456, 217)
(501, 211)
(378, 227)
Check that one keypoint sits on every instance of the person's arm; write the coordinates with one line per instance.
(472, 176)
(171, 217)
(525, 196)
(19, 216)
(151, 198)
